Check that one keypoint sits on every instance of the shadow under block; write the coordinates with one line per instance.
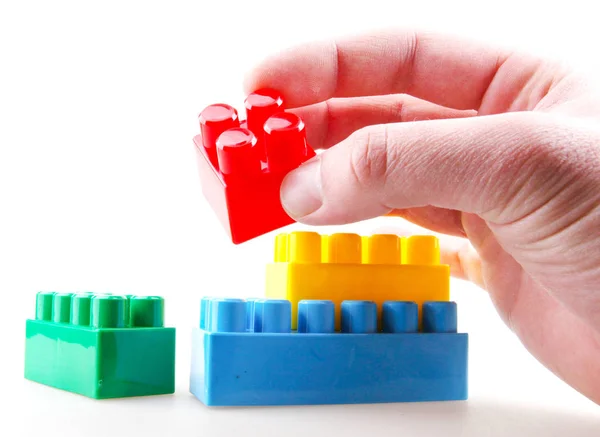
(101, 346)
(242, 163)
(297, 368)
(350, 267)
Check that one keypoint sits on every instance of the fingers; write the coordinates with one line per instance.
(466, 164)
(448, 71)
(330, 122)
(464, 261)
(444, 221)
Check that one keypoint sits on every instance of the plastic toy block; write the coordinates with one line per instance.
(100, 346)
(350, 267)
(242, 163)
(245, 353)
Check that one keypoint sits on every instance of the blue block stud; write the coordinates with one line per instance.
(204, 304)
(276, 316)
(250, 314)
(257, 315)
(440, 317)
(359, 317)
(316, 316)
(400, 317)
(227, 315)
(233, 365)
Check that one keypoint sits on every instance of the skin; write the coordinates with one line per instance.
(498, 149)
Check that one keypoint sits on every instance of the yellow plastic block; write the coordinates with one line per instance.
(342, 267)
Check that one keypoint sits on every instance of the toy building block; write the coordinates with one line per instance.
(350, 267)
(242, 163)
(245, 353)
(100, 346)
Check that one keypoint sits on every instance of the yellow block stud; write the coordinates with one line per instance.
(304, 247)
(344, 249)
(382, 249)
(281, 248)
(421, 250)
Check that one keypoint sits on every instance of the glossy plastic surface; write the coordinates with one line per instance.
(101, 346)
(265, 366)
(350, 267)
(242, 163)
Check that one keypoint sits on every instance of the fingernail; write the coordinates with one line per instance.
(301, 192)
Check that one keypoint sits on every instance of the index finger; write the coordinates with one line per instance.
(448, 71)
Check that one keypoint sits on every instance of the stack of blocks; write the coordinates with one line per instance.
(100, 345)
(349, 319)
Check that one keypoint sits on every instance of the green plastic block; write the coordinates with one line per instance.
(101, 346)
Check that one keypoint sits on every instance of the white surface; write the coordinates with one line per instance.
(99, 191)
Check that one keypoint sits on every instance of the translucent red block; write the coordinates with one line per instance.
(242, 163)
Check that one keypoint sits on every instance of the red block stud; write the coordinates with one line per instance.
(242, 163)
(214, 120)
(238, 154)
(260, 105)
(285, 142)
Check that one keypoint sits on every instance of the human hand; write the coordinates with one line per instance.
(496, 147)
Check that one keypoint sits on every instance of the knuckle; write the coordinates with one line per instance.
(398, 112)
(545, 157)
(370, 156)
(546, 145)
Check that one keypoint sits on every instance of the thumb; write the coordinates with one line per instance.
(478, 165)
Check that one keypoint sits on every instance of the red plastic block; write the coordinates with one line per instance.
(242, 163)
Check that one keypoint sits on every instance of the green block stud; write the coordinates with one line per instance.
(101, 346)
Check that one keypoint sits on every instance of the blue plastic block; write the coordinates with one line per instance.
(266, 364)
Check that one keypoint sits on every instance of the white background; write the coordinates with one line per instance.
(99, 191)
